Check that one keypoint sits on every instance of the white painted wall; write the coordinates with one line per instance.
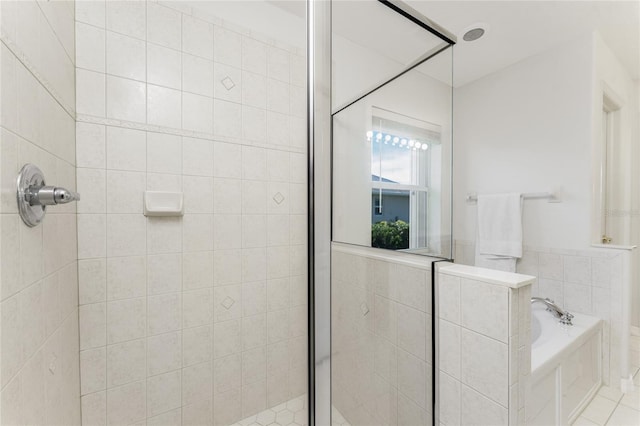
(533, 127)
(527, 128)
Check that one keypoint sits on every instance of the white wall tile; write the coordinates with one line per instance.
(93, 12)
(254, 90)
(449, 347)
(476, 409)
(227, 47)
(577, 269)
(91, 89)
(126, 404)
(484, 308)
(449, 296)
(487, 374)
(93, 320)
(164, 153)
(164, 26)
(197, 157)
(227, 302)
(254, 124)
(227, 118)
(126, 362)
(412, 378)
(91, 145)
(278, 64)
(277, 128)
(197, 75)
(227, 374)
(227, 160)
(164, 66)
(126, 99)
(226, 338)
(164, 392)
(197, 308)
(196, 383)
(197, 345)
(126, 320)
(125, 56)
(126, 277)
(125, 191)
(92, 281)
(164, 106)
(198, 233)
(164, 353)
(90, 47)
(412, 331)
(165, 313)
(197, 270)
(126, 235)
(127, 18)
(254, 56)
(197, 113)
(173, 417)
(197, 37)
(11, 340)
(164, 273)
(92, 233)
(227, 82)
(164, 235)
(278, 96)
(92, 185)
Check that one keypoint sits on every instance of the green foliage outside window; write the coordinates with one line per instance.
(390, 235)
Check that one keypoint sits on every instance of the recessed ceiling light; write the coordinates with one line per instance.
(474, 32)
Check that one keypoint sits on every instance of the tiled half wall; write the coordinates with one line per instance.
(585, 281)
(381, 336)
(484, 335)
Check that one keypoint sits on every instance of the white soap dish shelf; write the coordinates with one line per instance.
(161, 203)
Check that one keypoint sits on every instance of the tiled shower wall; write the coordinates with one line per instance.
(200, 318)
(40, 378)
(584, 281)
(381, 336)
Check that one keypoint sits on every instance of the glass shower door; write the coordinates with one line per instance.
(391, 212)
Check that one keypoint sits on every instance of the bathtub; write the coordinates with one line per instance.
(566, 367)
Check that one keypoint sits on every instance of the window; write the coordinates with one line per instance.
(401, 173)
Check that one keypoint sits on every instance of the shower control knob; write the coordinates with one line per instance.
(50, 195)
(34, 195)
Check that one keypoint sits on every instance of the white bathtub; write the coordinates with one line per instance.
(566, 367)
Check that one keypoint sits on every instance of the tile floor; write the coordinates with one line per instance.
(612, 407)
(293, 413)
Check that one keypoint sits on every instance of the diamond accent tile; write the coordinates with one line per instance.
(228, 83)
(278, 198)
(228, 302)
(364, 308)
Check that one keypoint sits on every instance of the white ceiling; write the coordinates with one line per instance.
(516, 29)
(519, 29)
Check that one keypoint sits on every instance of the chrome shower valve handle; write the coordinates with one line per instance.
(33, 195)
(50, 195)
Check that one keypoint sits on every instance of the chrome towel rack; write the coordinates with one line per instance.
(551, 197)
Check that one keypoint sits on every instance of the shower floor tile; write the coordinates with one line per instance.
(290, 413)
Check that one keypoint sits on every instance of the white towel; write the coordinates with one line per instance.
(499, 231)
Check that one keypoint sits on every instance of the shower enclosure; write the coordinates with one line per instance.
(253, 283)
(113, 316)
